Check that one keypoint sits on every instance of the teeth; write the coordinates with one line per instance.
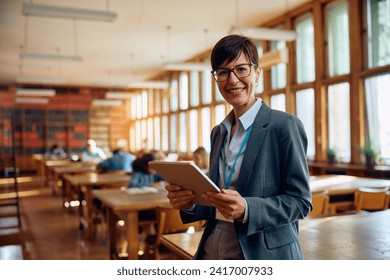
(235, 90)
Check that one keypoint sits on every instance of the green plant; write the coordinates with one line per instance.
(330, 151)
(370, 150)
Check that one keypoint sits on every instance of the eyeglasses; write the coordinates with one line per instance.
(241, 71)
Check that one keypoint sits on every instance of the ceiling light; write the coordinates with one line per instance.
(269, 34)
(31, 9)
(272, 58)
(187, 67)
(40, 80)
(35, 92)
(118, 95)
(104, 102)
(31, 100)
(27, 55)
(149, 85)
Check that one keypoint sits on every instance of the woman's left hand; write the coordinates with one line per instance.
(228, 202)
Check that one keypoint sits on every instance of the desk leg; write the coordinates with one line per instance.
(86, 211)
(132, 235)
(111, 223)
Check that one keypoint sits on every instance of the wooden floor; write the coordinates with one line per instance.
(48, 231)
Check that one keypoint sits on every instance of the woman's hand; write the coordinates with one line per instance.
(180, 198)
(228, 202)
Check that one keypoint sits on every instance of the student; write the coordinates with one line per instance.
(201, 159)
(143, 175)
(120, 160)
(55, 151)
(258, 159)
(92, 153)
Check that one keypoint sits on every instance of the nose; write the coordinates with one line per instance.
(232, 77)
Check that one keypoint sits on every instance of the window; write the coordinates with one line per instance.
(220, 113)
(305, 48)
(260, 84)
(164, 128)
(278, 72)
(139, 106)
(165, 101)
(174, 95)
(150, 134)
(157, 126)
(173, 132)
(183, 91)
(183, 132)
(194, 129)
(378, 115)
(218, 95)
(144, 102)
(194, 97)
(305, 112)
(206, 128)
(339, 120)
(338, 38)
(378, 21)
(278, 102)
(157, 102)
(206, 87)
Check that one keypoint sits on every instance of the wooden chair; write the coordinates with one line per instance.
(168, 221)
(371, 199)
(320, 203)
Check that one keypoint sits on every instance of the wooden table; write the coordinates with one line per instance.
(72, 169)
(341, 188)
(84, 185)
(347, 237)
(182, 244)
(122, 204)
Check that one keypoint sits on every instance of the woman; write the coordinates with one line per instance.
(201, 159)
(258, 159)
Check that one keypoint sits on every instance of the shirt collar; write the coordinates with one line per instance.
(246, 119)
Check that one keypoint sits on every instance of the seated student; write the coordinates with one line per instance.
(92, 153)
(55, 151)
(120, 160)
(143, 175)
(201, 159)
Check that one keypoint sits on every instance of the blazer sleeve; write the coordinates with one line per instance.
(279, 188)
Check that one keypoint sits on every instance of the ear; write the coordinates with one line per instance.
(258, 72)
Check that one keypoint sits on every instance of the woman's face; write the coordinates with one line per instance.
(239, 92)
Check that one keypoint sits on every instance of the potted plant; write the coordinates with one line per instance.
(370, 152)
(331, 154)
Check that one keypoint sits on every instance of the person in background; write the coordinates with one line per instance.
(258, 160)
(55, 152)
(201, 159)
(92, 153)
(143, 175)
(120, 160)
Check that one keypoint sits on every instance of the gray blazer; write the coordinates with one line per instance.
(274, 180)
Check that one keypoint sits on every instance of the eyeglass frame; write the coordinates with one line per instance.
(214, 72)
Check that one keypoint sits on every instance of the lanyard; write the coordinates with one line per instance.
(228, 180)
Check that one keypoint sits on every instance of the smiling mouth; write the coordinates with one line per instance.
(235, 90)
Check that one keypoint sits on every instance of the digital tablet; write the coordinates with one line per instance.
(187, 175)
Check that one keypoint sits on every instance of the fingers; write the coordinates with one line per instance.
(229, 203)
(179, 198)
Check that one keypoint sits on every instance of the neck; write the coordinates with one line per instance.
(240, 110)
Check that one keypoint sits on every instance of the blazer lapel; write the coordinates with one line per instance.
(259, 128)
(215, 154)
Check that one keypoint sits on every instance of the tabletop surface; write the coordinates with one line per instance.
(96, 179)
(348, 237)
(120, 199)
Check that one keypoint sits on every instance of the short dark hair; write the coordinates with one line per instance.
(230, 47)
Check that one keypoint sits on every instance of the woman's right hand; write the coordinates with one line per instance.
(180, 198)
